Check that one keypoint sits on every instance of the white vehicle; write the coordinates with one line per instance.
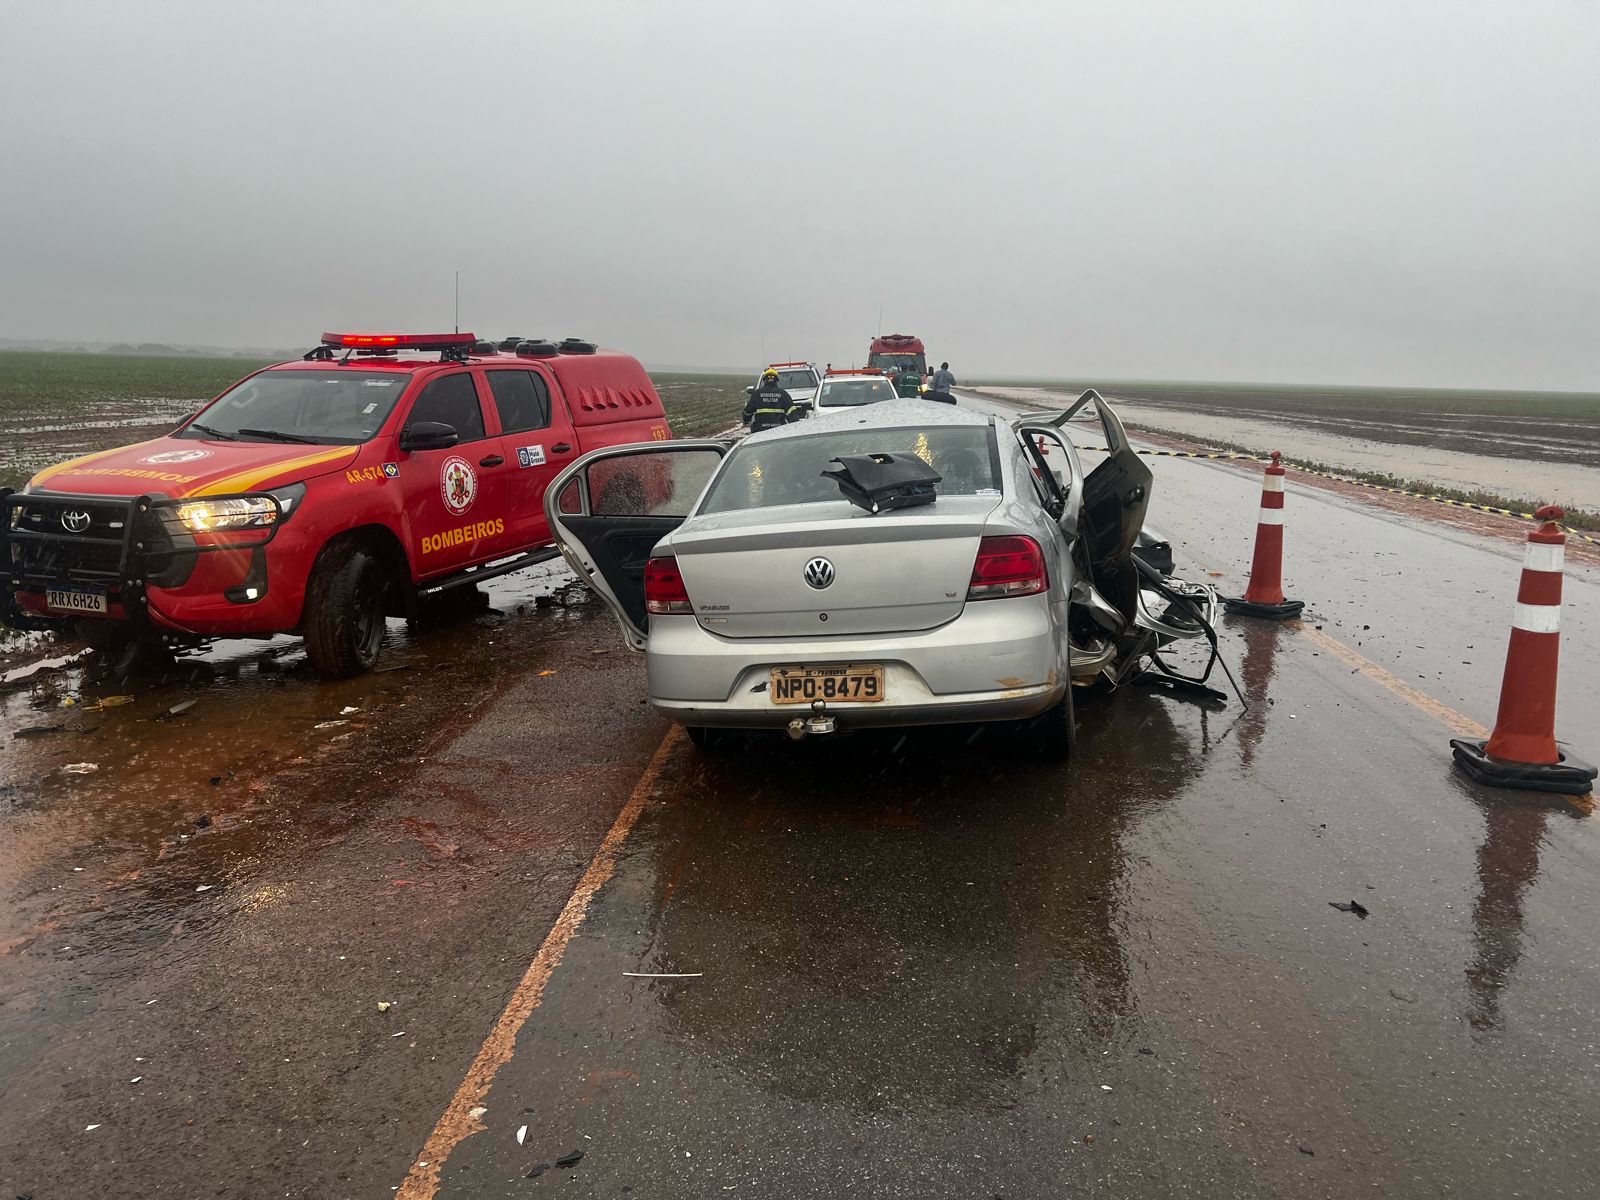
(799, 379)
(852, 389)
(766, 597)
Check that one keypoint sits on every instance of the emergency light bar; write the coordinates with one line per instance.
(789, 364)
(400, 341)
(855, 371)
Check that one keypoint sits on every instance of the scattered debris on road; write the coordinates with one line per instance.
(385, 1005)
(1354, 906)
(177, 710)
(83, 768)
(38, 730)
(570, 1159)
(522, 1135)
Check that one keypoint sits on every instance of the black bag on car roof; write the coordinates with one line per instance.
(877, 482)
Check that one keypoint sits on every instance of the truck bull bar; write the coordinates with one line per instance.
(123, 544)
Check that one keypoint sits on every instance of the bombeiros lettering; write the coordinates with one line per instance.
(461, 534)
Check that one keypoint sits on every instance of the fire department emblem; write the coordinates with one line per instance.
(176, 456)
(458, 485)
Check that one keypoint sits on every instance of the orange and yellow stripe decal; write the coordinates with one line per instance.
(243, 481)
(49, 472)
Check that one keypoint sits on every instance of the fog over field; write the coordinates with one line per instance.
(1388, 194)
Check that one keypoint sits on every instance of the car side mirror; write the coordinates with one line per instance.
(428, 435)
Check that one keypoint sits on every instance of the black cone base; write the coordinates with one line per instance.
(1276, 612)
(1571, 776)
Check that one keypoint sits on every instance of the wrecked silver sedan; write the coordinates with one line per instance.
(908, 563)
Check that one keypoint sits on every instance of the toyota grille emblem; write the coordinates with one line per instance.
(819, 573)
(74, 522)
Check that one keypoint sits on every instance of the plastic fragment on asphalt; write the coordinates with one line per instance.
(402, 1033)
(476, 1112)
(205, 887)
(1354, 906)
(546, 671)
(573, 1157)
(87, 1128)
(522, 1135)
(177, 710)
(83, 768)
(38, 731)
(329, 724)
(385, 1005)
(348, 709)
(136, 1079)
(1105, 1087)
(537, 1170)
(663, 975)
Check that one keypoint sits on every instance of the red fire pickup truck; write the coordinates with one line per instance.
(320, 496)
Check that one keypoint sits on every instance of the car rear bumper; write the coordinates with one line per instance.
(999, 660)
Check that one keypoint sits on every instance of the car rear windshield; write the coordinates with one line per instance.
(326, 408)
(788, 470)
(796, 379)
(841, 393)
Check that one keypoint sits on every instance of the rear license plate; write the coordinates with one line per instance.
(76, 599)
(802, 685)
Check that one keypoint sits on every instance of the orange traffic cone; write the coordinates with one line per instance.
(1522, 750)
(1264, 596)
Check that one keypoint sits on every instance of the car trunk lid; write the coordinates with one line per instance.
(892, 572)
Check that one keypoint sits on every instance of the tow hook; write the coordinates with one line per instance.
(819, 722)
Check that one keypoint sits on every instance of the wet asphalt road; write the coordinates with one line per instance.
(923, 967)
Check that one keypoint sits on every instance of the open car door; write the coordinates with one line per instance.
(608, 510)
(1116, 496)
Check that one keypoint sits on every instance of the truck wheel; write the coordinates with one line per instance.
(344, 621)
(104, 637)
(1050, 735)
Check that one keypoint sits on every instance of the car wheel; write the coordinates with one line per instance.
(344, 621)
(706, 739)
(1051, 735)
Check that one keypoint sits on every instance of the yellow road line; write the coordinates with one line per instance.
(1463, 725)
(458, 1122)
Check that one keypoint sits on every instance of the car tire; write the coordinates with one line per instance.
(1052, 734)
(345, 610)
(706, 739)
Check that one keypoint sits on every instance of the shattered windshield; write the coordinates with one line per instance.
(789, 470)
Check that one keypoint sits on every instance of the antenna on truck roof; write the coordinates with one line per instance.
(458, 301)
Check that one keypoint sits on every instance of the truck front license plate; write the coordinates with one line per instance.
(76, 599)
(801, 685)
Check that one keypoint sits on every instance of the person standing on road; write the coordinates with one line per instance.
(909, 382)
(769, 405)
(940, 385)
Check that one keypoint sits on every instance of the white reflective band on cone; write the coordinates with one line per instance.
(1271, 516)
(1272, 483)
(1537, 618)
(1543, 556)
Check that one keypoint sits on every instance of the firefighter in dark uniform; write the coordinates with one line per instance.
(769, 405)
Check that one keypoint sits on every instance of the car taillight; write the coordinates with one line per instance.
(663, 587)
(1008, 566)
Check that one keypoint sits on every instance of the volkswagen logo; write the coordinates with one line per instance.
(74, 522)
(819, 573)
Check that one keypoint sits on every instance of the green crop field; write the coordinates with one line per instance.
(73, 385)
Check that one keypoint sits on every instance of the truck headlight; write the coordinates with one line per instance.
(241, 512)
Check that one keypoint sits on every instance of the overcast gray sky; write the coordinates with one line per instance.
(1346, 192)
